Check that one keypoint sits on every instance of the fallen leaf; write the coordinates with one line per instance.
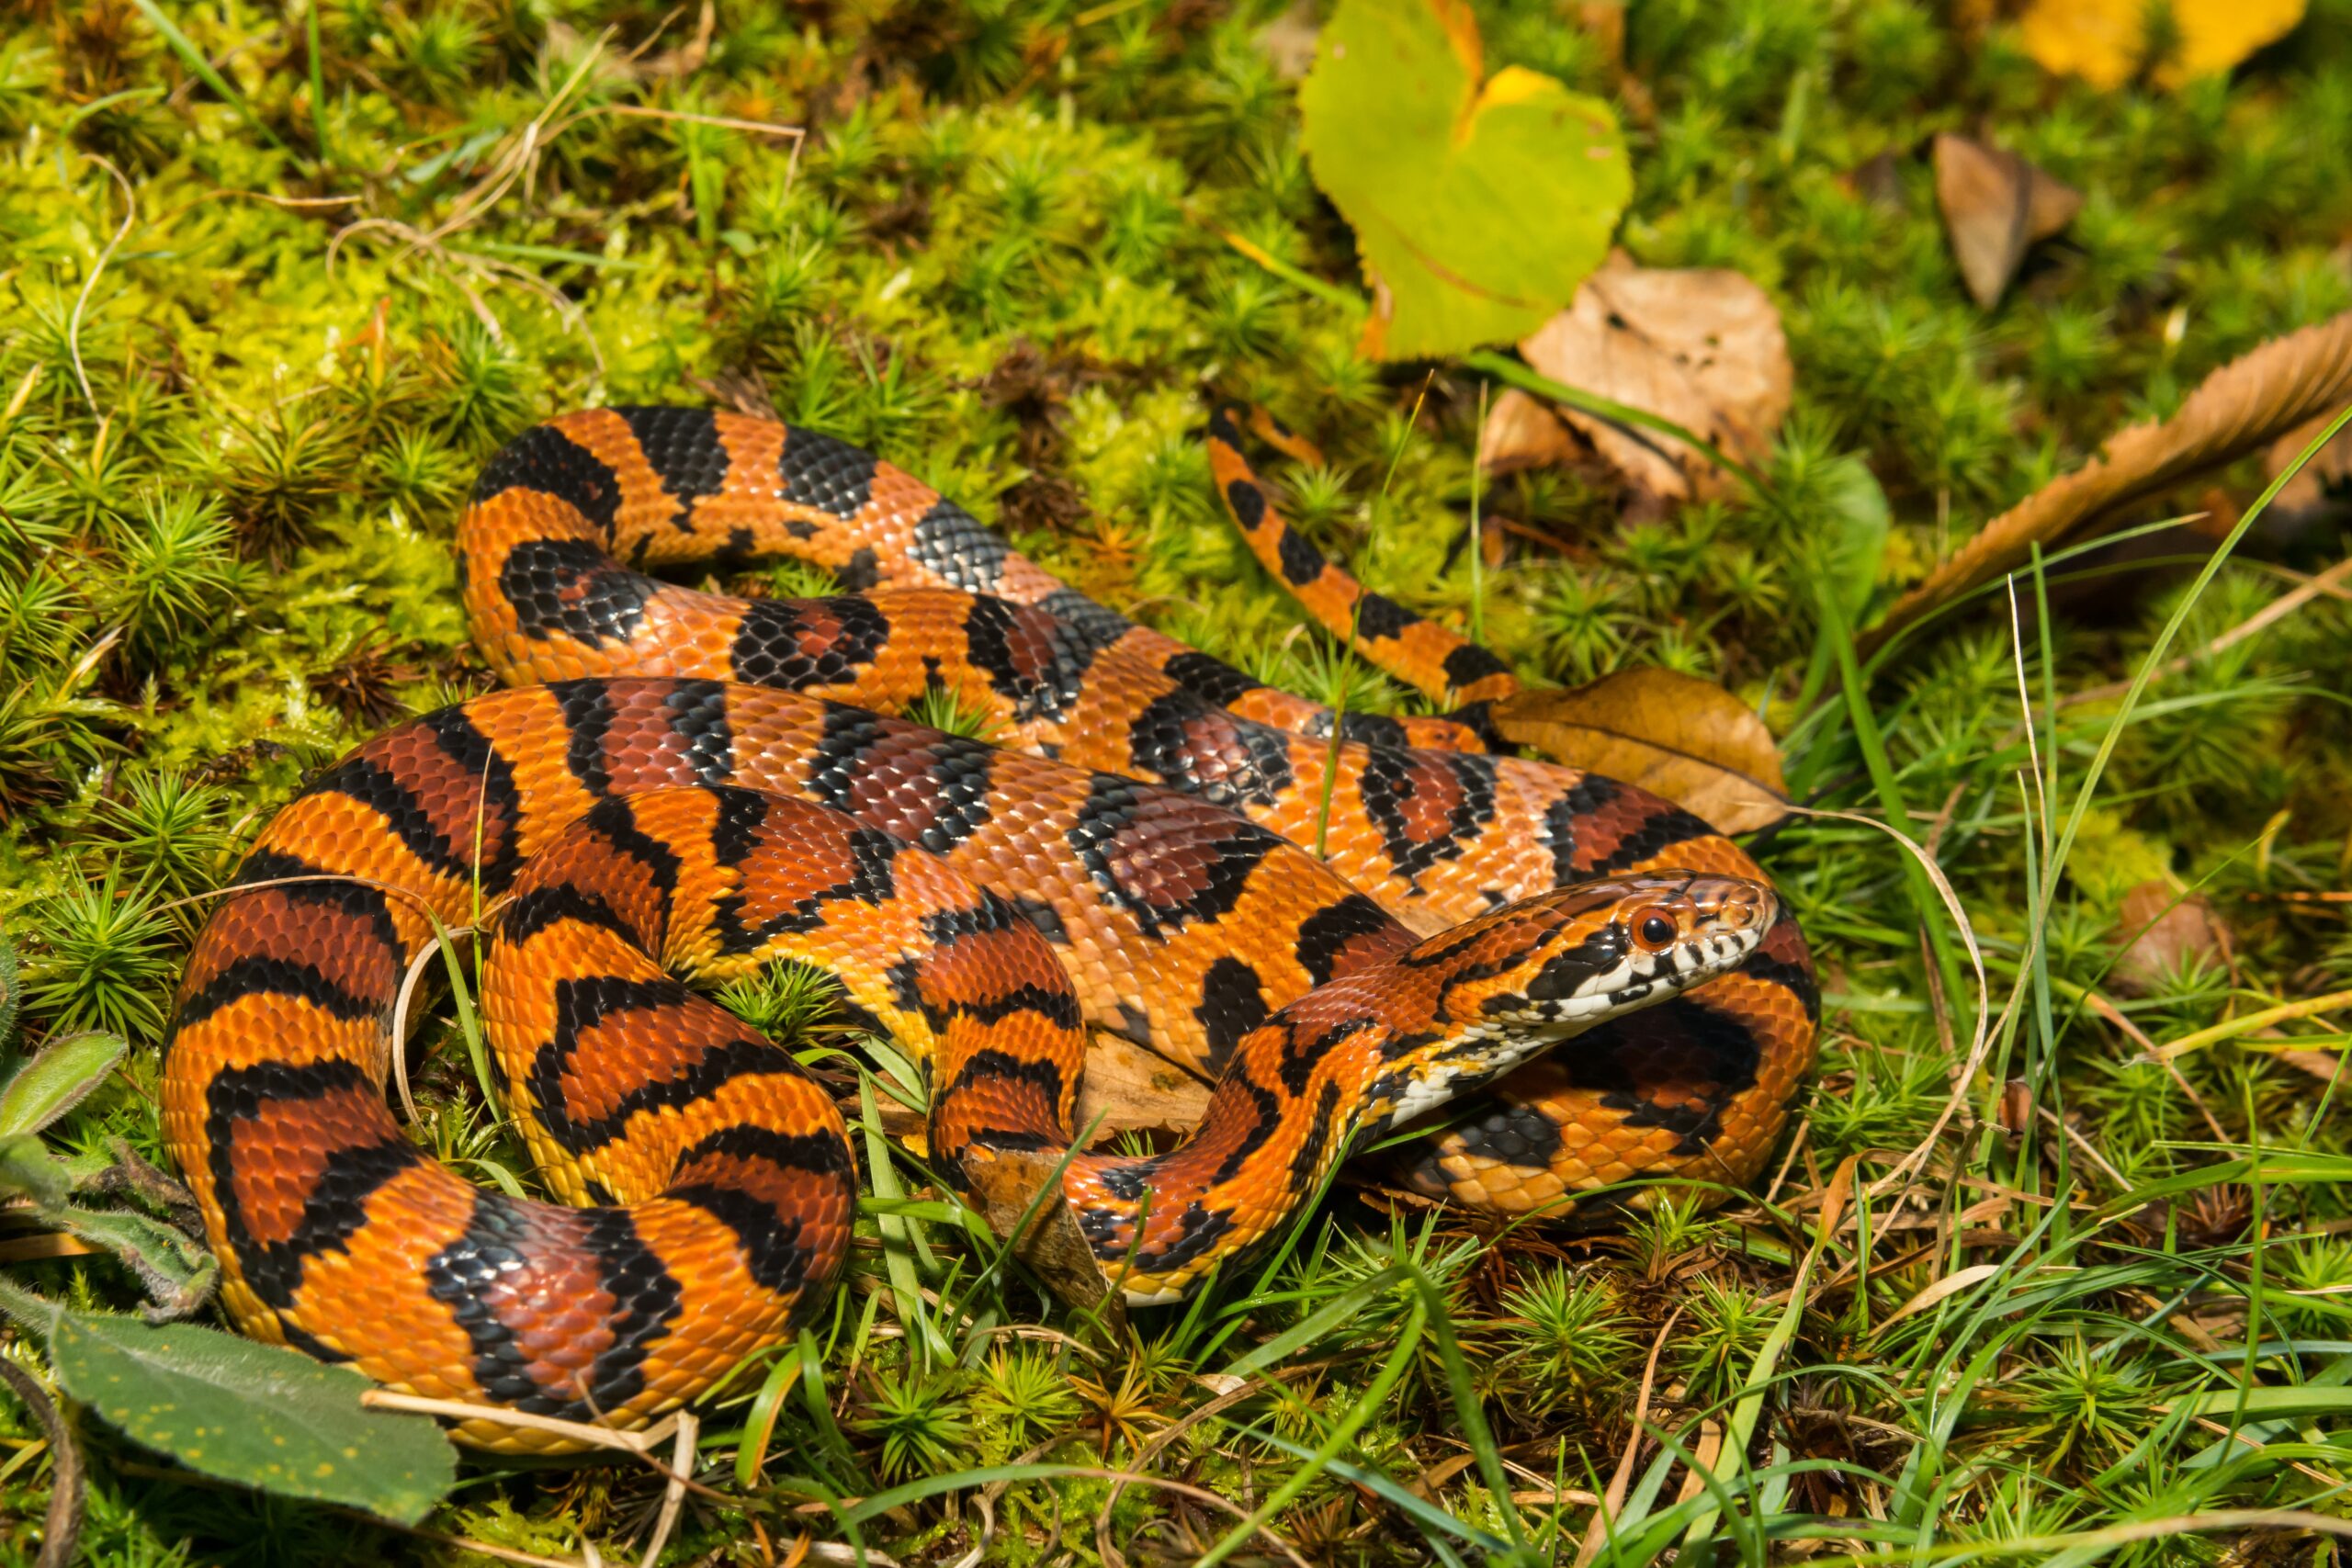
(2245, 405)
(2106, 41)
(1995, 206)
(1131, 1089)
(1478, 204)
(2017, 1107)
(1009, 1186)
(1702, 346)
(2162, 932)
(1522, 431)
(2324, 484)
(1674, 734)
(1125, 1085)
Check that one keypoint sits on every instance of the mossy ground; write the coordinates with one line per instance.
(259, 332)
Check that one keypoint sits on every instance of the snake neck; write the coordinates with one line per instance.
(1298, 1094)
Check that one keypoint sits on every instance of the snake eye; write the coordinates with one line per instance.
(1654, 930)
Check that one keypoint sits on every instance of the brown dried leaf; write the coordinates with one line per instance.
(1673, 735)
(1700, 345)
(1006, 1185)
(2325, 483)
(1995, 205)
(2247, 403)
(2163, 930)
(1132, 1090)
(2050, 204)
(1522, 431)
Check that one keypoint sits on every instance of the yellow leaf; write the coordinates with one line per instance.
(1478, 204)
(2104, 41)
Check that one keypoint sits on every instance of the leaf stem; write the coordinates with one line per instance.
(62, 1524)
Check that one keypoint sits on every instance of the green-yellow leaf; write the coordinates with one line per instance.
(28, 1170)
(250, 1412)
(54, 1082)
(1478, 204)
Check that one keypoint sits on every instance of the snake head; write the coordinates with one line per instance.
(1510, 985)
(1628, 942)
(1585, 953)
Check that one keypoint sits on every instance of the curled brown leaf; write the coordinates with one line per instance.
(1704, 347)
(1128, 1088)
(1995, 205)
(2246, 404)
(1674, 734)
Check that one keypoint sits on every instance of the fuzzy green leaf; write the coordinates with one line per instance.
(57, 1080)
(256, 1413)
(1478, 204)
(175, 1269)
(28, 1170)
(12, 991)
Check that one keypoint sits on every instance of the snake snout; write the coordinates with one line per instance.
(1710, 913)
(1720, 904)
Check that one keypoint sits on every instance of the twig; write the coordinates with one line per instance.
(639, 1444)
(673, 1496)
(62, 1526)
(1596, 1534)
(73, 324)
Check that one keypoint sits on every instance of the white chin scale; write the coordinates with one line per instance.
(1634, 978)
(1643, 974)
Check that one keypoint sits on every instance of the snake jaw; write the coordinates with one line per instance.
(1720, 922)
(1721, 942)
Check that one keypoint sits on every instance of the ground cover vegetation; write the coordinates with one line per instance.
(277, 279)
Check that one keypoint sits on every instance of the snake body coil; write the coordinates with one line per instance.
(688, 796)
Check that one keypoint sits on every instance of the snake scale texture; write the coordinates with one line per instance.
(684, 786)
